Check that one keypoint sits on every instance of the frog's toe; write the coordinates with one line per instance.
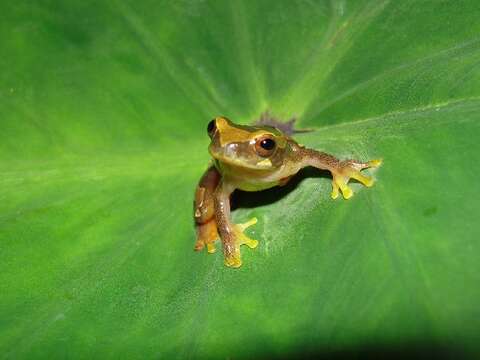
(211, 248)
(241, 238)
(242, 227)
(365, 180)
(334, 190)
(375, 163)
(347, 192)
(206, 236)
(233, 261)
(339, 182)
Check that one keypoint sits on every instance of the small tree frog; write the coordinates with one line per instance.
(253, 158)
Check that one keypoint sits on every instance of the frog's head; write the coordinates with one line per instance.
(252, 147)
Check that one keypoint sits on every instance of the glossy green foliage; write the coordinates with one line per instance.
(103, 108)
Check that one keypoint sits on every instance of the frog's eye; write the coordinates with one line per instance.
(265, 146)
(211, 127)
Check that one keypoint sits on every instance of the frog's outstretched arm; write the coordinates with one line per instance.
(232, 235)
(204, 210)
(342, 171)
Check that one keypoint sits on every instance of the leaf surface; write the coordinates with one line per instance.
(103, 112)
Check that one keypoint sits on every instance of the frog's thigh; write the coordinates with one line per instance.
(203, 207)
(204, 210)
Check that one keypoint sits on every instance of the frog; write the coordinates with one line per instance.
(255, 158)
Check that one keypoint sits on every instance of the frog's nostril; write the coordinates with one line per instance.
(211, 128)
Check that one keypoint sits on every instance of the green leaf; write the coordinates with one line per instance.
(103, 108)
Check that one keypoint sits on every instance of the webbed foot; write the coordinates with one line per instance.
(234, 260)
(350, 169)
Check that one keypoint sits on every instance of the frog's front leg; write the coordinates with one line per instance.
(232, 235)
(342, 171)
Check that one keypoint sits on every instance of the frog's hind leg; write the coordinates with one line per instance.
(204, 212)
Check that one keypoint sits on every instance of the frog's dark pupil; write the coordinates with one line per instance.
(211, 127)
(267, 144)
